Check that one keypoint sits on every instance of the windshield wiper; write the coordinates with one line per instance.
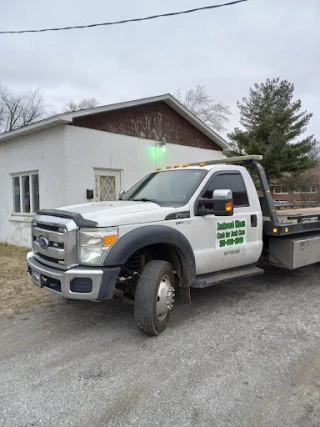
(145, 199)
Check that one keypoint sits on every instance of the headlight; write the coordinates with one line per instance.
(95, 243)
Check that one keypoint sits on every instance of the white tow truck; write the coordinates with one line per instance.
(180, 228)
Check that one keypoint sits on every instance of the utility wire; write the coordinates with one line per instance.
(147, 18)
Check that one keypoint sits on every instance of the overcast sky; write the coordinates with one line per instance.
(225, 49)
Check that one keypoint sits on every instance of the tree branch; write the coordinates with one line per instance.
(215, 115)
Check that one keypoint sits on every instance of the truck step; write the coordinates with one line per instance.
(211, 279)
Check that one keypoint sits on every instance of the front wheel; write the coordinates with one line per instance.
(154, 297)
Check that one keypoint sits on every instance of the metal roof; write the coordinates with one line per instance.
(67, 118)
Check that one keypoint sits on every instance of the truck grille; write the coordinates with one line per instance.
(54, 241)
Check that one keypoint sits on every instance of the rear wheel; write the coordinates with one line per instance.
(154, 297)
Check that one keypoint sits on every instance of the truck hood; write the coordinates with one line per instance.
(108, 214)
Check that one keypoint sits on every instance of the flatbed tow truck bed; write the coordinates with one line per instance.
(293, 215)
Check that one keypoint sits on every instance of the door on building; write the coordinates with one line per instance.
(107, 185)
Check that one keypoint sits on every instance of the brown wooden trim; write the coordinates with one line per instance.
(153, 121)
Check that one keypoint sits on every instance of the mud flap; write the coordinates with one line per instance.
(185, 295)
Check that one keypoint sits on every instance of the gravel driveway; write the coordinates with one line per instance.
(244, 354)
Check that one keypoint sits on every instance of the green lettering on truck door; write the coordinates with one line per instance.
(236, 236)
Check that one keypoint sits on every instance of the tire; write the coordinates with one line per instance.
(154, 298)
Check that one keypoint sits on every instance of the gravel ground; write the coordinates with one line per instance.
(244, 354)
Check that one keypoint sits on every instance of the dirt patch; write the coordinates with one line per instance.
(17, 293)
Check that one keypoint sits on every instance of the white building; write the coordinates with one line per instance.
(53, 162)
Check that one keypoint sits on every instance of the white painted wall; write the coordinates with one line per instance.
(66, 157)
(42, 151)
(88, 149)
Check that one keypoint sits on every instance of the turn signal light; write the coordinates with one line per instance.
(286, 230)
(275, 230)
(109, 240)
(228, 207)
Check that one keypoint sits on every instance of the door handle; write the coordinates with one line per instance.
(254, 221)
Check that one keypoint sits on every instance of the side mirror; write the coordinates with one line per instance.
(221, 204)
(121, 194)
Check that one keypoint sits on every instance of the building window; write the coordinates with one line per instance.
(229, 181)
(308, 189)
(280, 190)
(107, 185)
(25, 190)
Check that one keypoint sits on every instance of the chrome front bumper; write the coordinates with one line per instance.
(102, 280)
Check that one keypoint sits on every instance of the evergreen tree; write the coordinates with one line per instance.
(272, 123)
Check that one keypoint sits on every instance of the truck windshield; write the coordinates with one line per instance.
(170, 188)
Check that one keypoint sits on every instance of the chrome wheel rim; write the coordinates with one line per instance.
(165, 298)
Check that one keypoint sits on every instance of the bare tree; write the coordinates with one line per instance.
(20, 110)
(2, 117)
(199, 102)
(85, 104)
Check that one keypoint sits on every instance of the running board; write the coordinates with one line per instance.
(206, 280)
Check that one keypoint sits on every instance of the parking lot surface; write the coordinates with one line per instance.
(244, 354)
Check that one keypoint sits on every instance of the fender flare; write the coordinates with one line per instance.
(148, 235)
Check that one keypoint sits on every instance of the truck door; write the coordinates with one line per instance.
(223, 242)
